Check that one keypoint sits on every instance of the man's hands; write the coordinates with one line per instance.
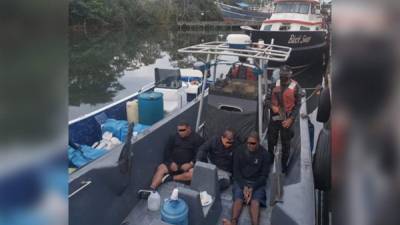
(185, 167)
(287, 123)
(173, 167)
(248, 194)
(275, 109)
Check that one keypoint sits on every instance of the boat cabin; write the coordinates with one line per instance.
(294, 15)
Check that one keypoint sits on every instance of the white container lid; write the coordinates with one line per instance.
(238, 39)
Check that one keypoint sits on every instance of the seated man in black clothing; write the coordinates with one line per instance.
(251, 166)
(179, 156)
(219, 151)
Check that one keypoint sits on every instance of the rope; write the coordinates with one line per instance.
(301, 71)
(316, 90)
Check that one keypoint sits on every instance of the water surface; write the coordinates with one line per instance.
(109, 66)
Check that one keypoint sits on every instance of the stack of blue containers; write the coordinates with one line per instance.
(118, 128)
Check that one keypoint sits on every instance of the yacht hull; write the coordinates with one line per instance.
(308, 47)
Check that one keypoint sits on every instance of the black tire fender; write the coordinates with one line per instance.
(324, 106)
(322, 161)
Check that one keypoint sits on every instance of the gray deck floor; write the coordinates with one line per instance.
(140, 215)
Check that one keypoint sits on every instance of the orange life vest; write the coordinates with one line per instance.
(236, 73)
(289, 99)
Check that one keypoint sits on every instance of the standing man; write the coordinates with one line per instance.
(179, 157)
(219, 151)
(285, 106)
(251, 167)
(240, 71)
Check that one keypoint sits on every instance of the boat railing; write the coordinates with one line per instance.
(260, 51)
(145, 88)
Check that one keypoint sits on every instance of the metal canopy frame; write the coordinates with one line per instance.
(260, 51)
(264, 53)
(268, 52)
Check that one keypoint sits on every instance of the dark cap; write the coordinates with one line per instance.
(285, 71)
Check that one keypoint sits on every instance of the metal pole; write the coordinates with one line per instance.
(260, 103)
(260, 100)
(203, 88)
(215, 64)
(215, 67)
(266, 106)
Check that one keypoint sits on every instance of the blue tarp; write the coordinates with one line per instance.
(118, 128)
(83, 155)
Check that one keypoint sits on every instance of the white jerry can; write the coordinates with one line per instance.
(132, 111)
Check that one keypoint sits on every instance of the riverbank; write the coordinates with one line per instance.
(103, 14)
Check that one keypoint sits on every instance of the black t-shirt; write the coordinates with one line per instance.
(251, 168)
(215, 151)
(182, 150)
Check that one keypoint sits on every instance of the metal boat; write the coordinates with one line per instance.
(105, 190)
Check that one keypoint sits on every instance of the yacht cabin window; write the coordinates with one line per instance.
(315, 9)
(267, 27)
(304, 28)
(292, 7)
(285, 26)
(168, 78)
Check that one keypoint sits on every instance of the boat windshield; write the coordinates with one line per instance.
(167, 78)
(239, 88)
(292, 7)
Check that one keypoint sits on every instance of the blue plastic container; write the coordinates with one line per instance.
(151, 108)
(83, 155)
(119, 128)
(139, 128)
(175, 212)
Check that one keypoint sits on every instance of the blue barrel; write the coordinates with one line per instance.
(175, 212)
(151, 108)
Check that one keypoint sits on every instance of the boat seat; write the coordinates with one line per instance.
(173, 99)
(204, 179)
(189, 75)
(192, 89)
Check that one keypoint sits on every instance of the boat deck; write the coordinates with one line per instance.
(141, 215)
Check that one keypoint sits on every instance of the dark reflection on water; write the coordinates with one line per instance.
(109, 66)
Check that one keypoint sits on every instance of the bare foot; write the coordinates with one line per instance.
(226, 222)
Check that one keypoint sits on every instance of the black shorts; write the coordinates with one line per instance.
(258, 194)
(179, 171)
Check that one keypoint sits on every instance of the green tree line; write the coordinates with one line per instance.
(139, 12)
